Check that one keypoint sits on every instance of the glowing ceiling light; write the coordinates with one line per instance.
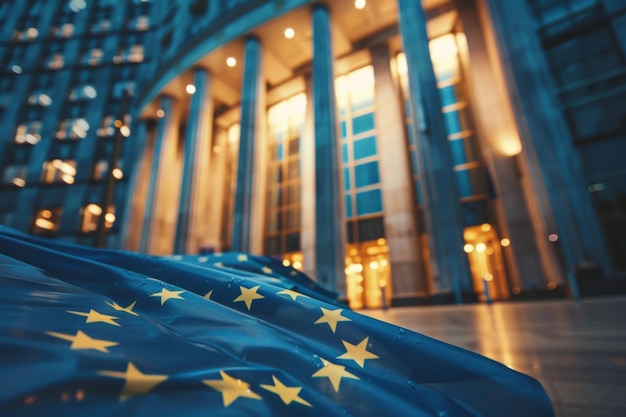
(160, 113)
(231, 62)
(359, 4)
(290, 33)
(190, 89)
(118, 174)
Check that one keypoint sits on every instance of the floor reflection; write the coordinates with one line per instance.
(577, 350)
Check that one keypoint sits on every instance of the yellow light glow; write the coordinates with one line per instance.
(505, 242)
(468, 248)
(160, 113)
(509, 145)
(109, 217)
(44, 224)
(117, 173)
(487, 277)
(290, 33)
(68, 179)
(485, 227)
(286, 262)
(381, 241)
(95, 209)
(231, 61)
(19, 182)
(190, 89)
(382, 283)
(374, 265)
(443, 49)
(553, 237)
(125, 131)
(46, 214)
(359, 4)
(297, 265)
(480, 248)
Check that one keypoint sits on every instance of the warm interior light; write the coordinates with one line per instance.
(95, 209)
(19, 182)
(231, 62)
(118, 174)
(44, 224)
(485, 227)
(160, 113)
(290, 33)
(480, 247)
(359, 4)
(286, 262)
(125, 131)
(190, 89)
(468, 248)
(505, 242)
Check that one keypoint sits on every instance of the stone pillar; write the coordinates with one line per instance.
(400, 225)
(137, 187)
(549, 155)
(159, 216)
(215, 199)
(307, 185)
(249, 195)
(448, 263)
(329, 221)
(527, 262)
(192, 207)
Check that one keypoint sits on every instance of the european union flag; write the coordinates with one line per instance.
(88, 332)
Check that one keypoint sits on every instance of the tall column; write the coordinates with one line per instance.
(448, 263)
(156, 215)
(400, 225)
(527, 260)
(549, 154)
(329, 222)
(136, 193)
(248, 218)
(191, 207)
(215, 200)
(307, 185)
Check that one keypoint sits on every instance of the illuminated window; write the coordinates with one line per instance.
(359, 153)
(285, 124)
(64, 30)
(47, 221)
(26, 34)
(107, 128)
(93, 57)
(15, 174)
(39, 98)
(56, 61)
(91, 217)
(56, 171)
(140, 23)
(83, 92)
(29, 132)
(73, 129)
(134, 53)
(100, 169)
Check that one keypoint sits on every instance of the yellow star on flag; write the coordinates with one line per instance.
(290, 293)
(334, 373)
(266, 270)
(136, 382)
(208, 295)
(231, 388)
(248, 295)
(128, 309)
(242, 258)
(219, 264)
(80, 341)
(94, 317)
(357, 353)
(166, 294)
(286, 394)
(332, 317)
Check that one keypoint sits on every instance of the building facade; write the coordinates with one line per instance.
(400, 152)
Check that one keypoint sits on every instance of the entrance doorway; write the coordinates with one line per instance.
(368, 274)
(486, 262)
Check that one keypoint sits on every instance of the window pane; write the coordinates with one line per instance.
(363, 123)
(366, 174)
(368, 202)
(364, 148)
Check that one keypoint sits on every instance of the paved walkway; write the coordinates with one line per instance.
(577, 350)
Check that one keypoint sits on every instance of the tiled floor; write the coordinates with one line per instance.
(577, 350)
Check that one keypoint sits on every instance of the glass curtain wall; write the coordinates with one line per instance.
(368, 278)
(282, 229)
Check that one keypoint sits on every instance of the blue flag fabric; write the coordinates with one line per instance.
(101, 333)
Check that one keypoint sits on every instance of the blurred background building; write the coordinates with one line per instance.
(399, 152)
